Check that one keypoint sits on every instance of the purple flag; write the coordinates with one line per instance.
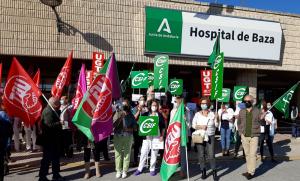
(112, 73)
(81, 88)
(102, 123)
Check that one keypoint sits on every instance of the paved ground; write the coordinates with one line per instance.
(287, 150)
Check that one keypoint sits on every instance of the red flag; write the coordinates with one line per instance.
(37, 77)
(21, 95)
(206, 82)
(63, 77)
(0, 74)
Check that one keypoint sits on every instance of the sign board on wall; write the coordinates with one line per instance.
(193, 34)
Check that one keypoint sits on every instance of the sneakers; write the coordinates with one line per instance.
(152, 173)
(118, 175)
(124, 174)
(137, 172)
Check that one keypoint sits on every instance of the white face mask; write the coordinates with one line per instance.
(62, 102)
(153, 108)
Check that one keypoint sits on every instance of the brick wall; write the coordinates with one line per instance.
(28, 27)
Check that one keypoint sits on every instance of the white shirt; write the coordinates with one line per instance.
(65, 115)
(210, 121)
(269, 117)
(228, 115)
(236, 114)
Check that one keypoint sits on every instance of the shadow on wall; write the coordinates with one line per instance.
(217, 9)
(91, 38)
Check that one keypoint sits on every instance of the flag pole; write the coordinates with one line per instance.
(187, 164)
(50, 105)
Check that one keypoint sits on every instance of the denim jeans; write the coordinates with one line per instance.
(294, 130)
(225, 138)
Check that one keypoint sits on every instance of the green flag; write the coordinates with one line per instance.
(215, 53)
(225, 95)
(148, 126)
(283, 102)
(176, 137)
(84, 113)
(139, 79)
(239, 92)
(161, 66)
(176, 86)
(104, 68)
(217, 77)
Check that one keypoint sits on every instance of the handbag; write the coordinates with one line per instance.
(197, 138)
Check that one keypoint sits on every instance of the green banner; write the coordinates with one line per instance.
(139, 79)
(150, 78)
(283, 102)
(176, 86)
(217, 77)
(148, 125)
(163, 30)
(239, 92)
(225, 95)
(161, 71)
(215, 52)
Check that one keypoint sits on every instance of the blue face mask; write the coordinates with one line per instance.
(204, 106)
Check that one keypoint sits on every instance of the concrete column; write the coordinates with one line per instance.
(248, 77)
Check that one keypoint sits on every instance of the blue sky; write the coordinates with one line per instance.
(289, 6)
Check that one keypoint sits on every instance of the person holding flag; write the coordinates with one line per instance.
(51, 135)
(124, 124)
(266, 130)
(205, 123)
(146, 146)
(183, 158)
(176, 140)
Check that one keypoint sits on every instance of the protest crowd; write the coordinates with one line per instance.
(159, 126)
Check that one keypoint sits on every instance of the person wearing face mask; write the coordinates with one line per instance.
(124, 124)
(266, 130)
(205, 120)
(146, 146)
(294, 116)
(225, 116)
(138, 140)
(249, 129)
(65, 118)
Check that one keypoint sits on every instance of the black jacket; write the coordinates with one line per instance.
(51, 127)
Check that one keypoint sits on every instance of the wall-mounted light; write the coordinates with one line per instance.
(53, 4)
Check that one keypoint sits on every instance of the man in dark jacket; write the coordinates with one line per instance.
(51, 134)
(5, 134)
(249, 128)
